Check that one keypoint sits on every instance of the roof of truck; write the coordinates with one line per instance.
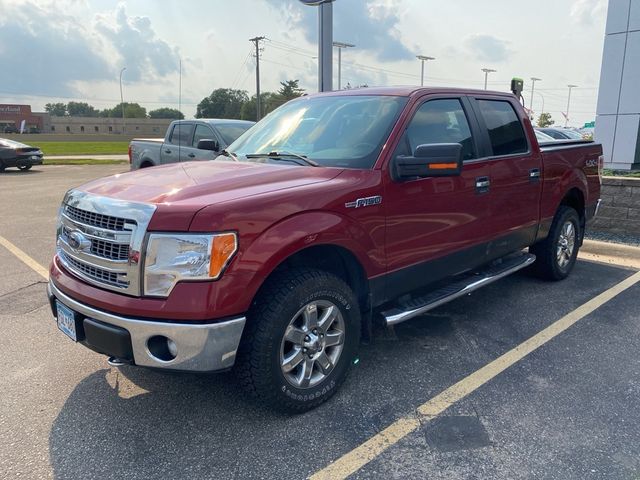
(409, 90)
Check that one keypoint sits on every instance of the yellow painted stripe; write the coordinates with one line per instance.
(26, 259)
(363, 454)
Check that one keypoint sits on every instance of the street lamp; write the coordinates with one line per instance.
(533, 85)
(122, 99)
(487, 71)
(566, 120)
(423, 58)
(340, 46)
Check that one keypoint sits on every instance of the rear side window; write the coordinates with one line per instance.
(181, 134)
(505, 129)
(439, 121)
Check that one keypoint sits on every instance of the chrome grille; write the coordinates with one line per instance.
(110, 250)
(100, 239)
(95, 273)
(95, 219)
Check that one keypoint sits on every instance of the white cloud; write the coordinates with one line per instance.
(488, 48)
(588, 12)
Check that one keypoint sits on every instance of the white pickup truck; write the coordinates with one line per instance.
(186, 140)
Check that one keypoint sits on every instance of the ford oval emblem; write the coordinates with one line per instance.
(78, 241)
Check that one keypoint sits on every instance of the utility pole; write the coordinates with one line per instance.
(122, 99)
(566, 120)
(256, 41)
(487, 71)
(340, 46)
(533, 85)
(423, 58)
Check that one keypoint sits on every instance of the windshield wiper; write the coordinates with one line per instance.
(231, 155)
(285, 156)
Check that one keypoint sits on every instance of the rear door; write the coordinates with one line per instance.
(515, 174)
(437, 226)
(179, 139)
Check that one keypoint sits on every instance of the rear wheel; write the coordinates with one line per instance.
(556, 255)
(301, 337)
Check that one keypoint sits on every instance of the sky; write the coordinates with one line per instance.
(63, 50)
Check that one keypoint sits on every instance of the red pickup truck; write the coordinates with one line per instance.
(333, 211)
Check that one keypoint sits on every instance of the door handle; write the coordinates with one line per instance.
(167, 151)
(191, 155)
(534, 175)
(482, 184)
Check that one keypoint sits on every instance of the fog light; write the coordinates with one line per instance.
(162, 348)
(173, 348)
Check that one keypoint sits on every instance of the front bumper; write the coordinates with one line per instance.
(199, 347)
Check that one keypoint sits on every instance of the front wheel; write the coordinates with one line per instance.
(24, 168)
(556, 255)
(301, 337)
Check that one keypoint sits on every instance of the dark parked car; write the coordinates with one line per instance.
(11, 129)
(16, 154)
(561, 133)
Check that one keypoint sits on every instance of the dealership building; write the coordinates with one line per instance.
(13, 116)
(618, 120)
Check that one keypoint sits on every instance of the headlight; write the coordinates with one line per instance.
(172, 257)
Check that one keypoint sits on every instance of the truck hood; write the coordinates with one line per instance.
(180, 190)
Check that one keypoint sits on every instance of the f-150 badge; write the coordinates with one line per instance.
(364, 202)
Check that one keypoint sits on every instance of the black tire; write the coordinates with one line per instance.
(548, 265)
(24, 168)
(260, 353)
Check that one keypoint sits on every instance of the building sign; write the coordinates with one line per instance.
(11, 109)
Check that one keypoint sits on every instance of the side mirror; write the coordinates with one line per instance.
(207, 144)
(431, 160)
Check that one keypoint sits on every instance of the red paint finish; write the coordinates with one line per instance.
(280, 209)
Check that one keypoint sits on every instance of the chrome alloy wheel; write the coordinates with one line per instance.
(312, 344)
(566, 244)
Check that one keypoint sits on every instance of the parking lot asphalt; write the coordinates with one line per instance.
(567, 410)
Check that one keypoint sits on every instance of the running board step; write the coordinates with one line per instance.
(495, 271)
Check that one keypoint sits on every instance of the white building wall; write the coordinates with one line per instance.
(618, 117)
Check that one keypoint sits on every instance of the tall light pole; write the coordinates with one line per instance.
(533, 86)
(566, 120)
(340, 46)
(423, 58)
(325, 42)
(122, 98)
(487, 71)
(257, 41)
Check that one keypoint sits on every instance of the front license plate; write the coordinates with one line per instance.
(66, 321)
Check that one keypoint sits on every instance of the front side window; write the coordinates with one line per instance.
(505, 129)
(202, 133)
(439, 121)
(230, 131)
(345, 131)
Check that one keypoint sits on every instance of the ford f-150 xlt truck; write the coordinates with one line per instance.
(186, 141)
(335, 210)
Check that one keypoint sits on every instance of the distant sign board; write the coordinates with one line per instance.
(590, 124)
(11, 109)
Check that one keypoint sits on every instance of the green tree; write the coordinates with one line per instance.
(81, 109)
(290, 89)
(56, 109)
(131, 110)
(545, 120)
(269, 101)
(222, 103)
(166, 112)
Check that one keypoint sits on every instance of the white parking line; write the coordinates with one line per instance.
(363, 454)
(26, 259)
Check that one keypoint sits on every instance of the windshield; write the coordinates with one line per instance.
(335, 131)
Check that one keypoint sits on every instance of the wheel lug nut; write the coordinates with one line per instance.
(306, 338)
(304, 349)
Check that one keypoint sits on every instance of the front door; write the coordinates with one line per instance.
(438, 226)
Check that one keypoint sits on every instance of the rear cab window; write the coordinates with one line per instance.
(182, 134)
(506, 134)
